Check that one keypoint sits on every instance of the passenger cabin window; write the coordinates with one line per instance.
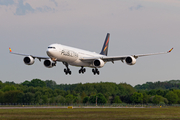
(52, 47)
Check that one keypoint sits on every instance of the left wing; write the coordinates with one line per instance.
(38, 57)
(116, 58)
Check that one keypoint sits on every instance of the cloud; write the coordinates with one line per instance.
(45, 9)
(23, 9)
(136, 7)
(54, 2)
(6, 2)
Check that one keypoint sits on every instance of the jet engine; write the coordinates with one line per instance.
(98, 63)
(130, 60)
(49, 63)
(29, 60)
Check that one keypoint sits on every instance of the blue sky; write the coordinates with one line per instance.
(136, 27)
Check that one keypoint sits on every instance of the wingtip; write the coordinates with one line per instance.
(170, 50)
(10, 50)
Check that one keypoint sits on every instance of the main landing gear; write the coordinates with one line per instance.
(95, 71)
(82, 70)
(67, 70)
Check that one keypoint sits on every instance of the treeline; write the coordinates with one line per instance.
(37, 91)
(172, 84)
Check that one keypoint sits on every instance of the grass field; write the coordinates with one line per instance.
(168, 113)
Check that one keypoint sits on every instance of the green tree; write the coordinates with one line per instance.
(69, 98)
(11, 96)
(117, 100)
(20, 97)
(52, 100)
(60, 92)
(137, 98)
(44, 99)
(9, 88)
(51, 84)
(92, 99)
(38, 82)
(83, 94)
(86, 99)
(171, 97)
(26, 83)
(29, 97)
(60, 99)
(77, 99)
(101, 99)
(160, 92)
(158, 99)
(146, 98)
(1, 97)
(178, 94)
(37, 97)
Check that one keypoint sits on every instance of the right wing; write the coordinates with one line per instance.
(116, 58)
(38, 57)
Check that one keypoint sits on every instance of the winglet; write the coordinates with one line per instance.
(170, 50)
(10, 50)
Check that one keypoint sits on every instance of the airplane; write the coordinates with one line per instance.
(81, 58)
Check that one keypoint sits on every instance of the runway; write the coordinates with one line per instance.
(63, 107)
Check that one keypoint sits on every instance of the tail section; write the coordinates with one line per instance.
(104, 50)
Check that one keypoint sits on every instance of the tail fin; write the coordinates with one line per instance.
(104, 50)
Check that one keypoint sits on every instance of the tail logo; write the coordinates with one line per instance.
(106, 44)
(104, 50)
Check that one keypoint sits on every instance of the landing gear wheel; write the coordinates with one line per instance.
(67, 70)
(82, 70)
(95, 71)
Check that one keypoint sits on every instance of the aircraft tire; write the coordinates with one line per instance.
(98, 72)
(66, 73)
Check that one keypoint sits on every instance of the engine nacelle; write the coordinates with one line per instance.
(29, 60)
(49, 63)
(130, 60)
(98, 63)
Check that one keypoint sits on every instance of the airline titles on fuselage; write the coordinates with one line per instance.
(69, 53)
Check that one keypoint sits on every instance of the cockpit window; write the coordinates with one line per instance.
(52, 47)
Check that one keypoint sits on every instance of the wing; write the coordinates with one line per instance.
(116, 58)
(38, 57)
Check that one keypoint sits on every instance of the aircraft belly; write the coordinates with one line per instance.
(66, 59)
(80, 63)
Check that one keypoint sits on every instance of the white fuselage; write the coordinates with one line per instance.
(70, 55)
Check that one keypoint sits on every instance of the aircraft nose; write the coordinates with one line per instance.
(49, 52)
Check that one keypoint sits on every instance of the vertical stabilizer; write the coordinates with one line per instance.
(104, 50)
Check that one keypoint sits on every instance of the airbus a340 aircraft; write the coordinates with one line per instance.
(81, 58)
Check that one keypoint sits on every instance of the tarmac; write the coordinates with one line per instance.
(63, 107)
